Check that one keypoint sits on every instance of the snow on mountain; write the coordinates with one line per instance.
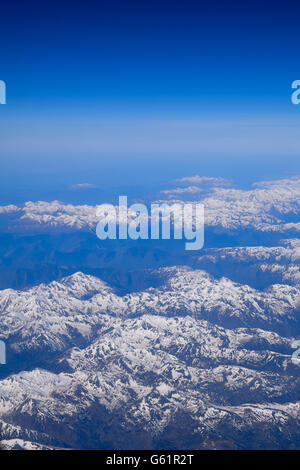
(267, 207)
(142, 375)
(9, 209)
(288, 252)
(20, 444)
(102, 370)
(52, 317)
(263, 208)
(256, 264)
(201, 360)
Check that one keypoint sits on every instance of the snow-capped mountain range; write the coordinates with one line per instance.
(145, 363)
(267, 207)
(160, 349)
(74, 307)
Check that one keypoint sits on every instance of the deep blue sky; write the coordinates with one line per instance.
(106, 92)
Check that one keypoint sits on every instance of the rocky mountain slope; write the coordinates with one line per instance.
(194, 363)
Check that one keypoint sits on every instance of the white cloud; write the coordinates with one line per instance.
(83, 186)
(196, 179)
(188, 190)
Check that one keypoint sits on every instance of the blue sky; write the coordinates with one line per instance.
(111, 91)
